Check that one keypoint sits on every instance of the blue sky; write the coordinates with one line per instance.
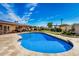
(39, 14)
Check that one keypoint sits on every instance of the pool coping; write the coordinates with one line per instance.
(72, 52)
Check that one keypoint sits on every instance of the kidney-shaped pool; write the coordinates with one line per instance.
(41, 42)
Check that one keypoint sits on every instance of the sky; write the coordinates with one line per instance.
(39, 14)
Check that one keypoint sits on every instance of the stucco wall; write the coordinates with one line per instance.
(76, 27)
(11, 28)
(66, 28)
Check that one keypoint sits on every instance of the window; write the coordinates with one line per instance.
(0, 27)
(5, 28)
(8, 27)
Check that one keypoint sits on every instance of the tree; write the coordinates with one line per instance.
(49, 25)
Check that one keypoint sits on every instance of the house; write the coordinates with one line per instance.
(8, 27)
(65, 27)
(76, 28)
(22, 27)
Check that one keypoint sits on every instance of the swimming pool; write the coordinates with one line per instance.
(41, 42)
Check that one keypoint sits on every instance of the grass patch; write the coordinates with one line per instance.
(48, 31)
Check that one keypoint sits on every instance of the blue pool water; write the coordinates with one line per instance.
(41, 42)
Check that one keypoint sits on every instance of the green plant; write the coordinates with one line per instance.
(56, 30)
(49, 25)
(67, 33)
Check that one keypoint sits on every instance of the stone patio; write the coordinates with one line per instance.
(9, 46)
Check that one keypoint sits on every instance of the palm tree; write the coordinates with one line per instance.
(61, 21)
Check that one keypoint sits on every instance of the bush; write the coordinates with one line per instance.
(68, 33)
(56, 30)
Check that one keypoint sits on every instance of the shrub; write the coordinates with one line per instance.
(56, 30)
(68, 33)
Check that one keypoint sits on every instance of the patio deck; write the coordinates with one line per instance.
(9, 46)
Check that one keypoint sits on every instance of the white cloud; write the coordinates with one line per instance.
(31, 20)
(26, 16)
(10, 12)
(6, 17)
(29, 13)
(2, 16)
(32, 7)
(12, 16)
(7, 6)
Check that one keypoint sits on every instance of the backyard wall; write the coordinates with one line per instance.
(76, 29)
